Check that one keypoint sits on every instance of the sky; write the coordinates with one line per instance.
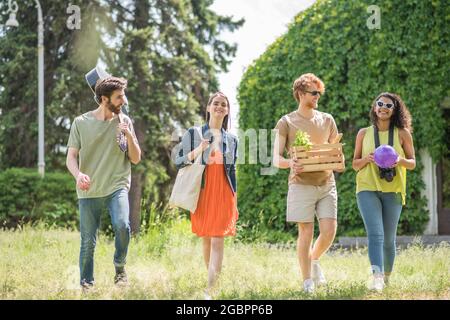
(265, 21)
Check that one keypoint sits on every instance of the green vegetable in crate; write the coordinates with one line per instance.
(302, 140)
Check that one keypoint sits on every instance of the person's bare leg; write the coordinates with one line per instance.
(304, 241)
(215, 262)
(327, 229)
(206, 250)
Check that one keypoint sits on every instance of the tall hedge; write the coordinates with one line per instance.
(26, 198)
(408, 55)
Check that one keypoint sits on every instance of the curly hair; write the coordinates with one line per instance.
(225, 120)
(401, 117)
(105, 87)
(303, 82)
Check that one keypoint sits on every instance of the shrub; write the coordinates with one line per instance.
(26, 198)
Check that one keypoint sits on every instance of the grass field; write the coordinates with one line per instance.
(36, 263)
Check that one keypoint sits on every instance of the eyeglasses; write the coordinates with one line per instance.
(314, 93)
(386, 105)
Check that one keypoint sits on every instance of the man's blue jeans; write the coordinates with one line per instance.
(90, 212)
(381, 213)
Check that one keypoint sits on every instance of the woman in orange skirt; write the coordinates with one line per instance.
(216, 213)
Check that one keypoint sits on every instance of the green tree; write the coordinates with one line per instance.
(68, 55)
(169, 50)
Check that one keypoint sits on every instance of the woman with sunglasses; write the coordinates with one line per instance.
(379, 199)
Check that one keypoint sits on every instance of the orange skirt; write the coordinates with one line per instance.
(216, 212)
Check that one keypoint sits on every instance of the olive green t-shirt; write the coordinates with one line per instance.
(99, 154)
(321, 129)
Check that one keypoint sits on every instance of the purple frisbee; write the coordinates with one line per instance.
(385, 156)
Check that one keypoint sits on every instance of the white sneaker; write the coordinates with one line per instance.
(317, 274)
(207, 295)
(377, 284)
(308, 286)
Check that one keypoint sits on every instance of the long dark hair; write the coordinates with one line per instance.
(225, 120)
(401, 117)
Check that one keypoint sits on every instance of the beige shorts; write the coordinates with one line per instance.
(305, 201)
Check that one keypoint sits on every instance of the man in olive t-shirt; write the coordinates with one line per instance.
(310, 193)
(101, 145)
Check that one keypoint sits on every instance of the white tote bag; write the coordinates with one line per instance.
(186, 190)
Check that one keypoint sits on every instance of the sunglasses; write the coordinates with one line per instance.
(314, 93)
(386, 105)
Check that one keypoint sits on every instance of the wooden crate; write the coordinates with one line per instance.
(320, 157)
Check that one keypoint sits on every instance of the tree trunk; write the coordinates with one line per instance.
(135, 201)
(137, 184)
(138, 176)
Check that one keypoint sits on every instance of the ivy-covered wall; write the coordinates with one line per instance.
(408, 55)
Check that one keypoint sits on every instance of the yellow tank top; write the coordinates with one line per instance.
(368, 178)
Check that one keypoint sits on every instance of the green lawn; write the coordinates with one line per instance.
(167, 264)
